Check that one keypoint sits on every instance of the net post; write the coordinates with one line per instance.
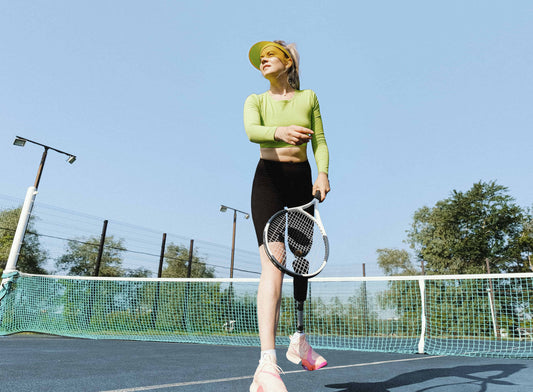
(365, 302)
(421, 342)
(491, 302)
(309, 301)
(22, 225)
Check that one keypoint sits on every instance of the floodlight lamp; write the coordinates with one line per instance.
(71, 159)
(246, 216)
(223, 208)
(19, 142)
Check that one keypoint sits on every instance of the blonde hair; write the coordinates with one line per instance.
(294, 70)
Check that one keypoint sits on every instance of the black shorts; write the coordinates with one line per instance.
(277, 185)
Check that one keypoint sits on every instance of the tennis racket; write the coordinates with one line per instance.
(296, 242)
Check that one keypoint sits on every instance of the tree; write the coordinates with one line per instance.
(395, 262)
(32, 256)
(525, 242)
(177, 260)
(81, 256)
(400, 293)
(461, 232)
(137, 273)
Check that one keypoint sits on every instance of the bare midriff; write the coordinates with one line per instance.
(285, 154)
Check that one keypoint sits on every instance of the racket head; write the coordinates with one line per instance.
(296, 242)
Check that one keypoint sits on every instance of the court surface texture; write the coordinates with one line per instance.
(31, 362)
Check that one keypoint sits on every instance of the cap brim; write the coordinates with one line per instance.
(255, 51)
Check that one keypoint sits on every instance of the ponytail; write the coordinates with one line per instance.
(293, 73)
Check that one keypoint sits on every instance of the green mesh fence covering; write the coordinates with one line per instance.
(484, 315)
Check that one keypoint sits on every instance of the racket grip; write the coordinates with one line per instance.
(317, 195)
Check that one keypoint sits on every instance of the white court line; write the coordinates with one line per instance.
(182, 384)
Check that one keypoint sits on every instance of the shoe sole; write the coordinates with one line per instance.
(308, 366)
(294, 358)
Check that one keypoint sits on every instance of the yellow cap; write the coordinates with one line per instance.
(256, 49)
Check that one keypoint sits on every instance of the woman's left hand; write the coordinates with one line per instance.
(321, 184)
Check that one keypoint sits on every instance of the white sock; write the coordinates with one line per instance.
(271, 353)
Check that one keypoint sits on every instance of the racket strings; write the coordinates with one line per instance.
(296, 242)
(300, 266)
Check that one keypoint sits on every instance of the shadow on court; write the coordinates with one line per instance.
(454, 378)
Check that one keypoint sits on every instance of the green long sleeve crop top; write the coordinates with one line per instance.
(263, 114)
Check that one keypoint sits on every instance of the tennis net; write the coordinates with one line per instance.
(475, 315)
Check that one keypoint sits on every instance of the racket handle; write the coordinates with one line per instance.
(317, 195)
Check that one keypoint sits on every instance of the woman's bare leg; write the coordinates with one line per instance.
(268, 301)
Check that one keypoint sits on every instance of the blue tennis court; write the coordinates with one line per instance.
(31, 362)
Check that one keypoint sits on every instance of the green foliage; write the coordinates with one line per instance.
(459, 233)
(137, 273)
(525, 241)
(177, 261)
(404, 298)
(191, 307)
(81, 256)
(32, 256)
(395, 262)
(458, 308)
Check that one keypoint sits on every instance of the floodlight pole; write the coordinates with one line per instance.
(233, 244)
(41, 167)
(25, 213)
(224, 208)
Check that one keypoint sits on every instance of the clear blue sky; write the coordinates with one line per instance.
(418, 98)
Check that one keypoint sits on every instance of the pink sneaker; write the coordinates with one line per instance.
(300, 351)
(267, 378)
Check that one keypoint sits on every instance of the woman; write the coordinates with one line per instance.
(282, 121)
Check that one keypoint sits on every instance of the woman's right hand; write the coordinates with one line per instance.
(293, 134)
